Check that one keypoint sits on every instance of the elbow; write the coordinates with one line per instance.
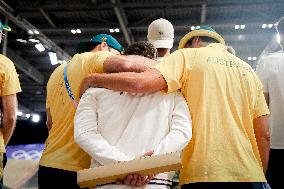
(187, 138)
(77, 138)
(124, 67)
(138, 87)
(266, 136)
(10, 119)
(187, 133)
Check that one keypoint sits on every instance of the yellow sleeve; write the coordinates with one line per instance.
(10, 80)
(172, 68)
(260, 108)
(95, 61)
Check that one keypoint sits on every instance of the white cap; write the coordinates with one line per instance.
(161, 33)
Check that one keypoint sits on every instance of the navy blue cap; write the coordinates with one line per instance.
(108, 39)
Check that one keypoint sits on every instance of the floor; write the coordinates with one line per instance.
(21, 174)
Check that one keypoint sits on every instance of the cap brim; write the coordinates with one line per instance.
(5, 27)
(197, 33)
(168, 43)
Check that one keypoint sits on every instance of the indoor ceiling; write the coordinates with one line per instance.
(246, 25)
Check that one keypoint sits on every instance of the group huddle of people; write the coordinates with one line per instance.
(109, 104)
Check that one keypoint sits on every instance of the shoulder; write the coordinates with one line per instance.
(96, 90)
(87, 55)
(5, 62)
(57, 72)
(100, 92)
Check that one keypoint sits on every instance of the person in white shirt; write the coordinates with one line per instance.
(270, 70)
(113, 126)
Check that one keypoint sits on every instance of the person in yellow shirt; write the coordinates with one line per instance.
(61, 157)
(9, 87)
(230, 142)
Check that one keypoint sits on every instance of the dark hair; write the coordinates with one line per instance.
(91, 46)
(162, 49)
(142, 48)
(82, 47)
(280, 26)
(204, 39)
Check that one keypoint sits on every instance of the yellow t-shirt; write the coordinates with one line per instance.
(9, 84)
(224, 96)
(60, 149)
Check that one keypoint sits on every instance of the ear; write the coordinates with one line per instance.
(195, 42)
(104, 46)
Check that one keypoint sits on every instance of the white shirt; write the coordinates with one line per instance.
(271, 73)
(113, 126)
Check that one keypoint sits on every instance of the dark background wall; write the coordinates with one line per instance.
(28, 132)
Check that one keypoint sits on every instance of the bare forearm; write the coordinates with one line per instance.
(10, 107)
(126, 82)
(264, 148)
(262, 136)
(131, 63)
(146, 82)
(8, 127)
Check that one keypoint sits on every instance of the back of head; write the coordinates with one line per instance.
(97, 40)
(142, 48)
(161, 33)
(205, 33)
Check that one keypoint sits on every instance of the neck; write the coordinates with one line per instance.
(163, 52)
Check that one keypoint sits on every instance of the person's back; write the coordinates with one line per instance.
(225, 85)
(121, 124)
(62, 111)
(9, 87)
(62, 157)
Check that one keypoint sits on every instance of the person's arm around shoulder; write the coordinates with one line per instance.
(180, 129)
(166, 75)
(146, 82)
(130, 63)
(87, 135)
(262, 135)
(10, 105)
(104, 61)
